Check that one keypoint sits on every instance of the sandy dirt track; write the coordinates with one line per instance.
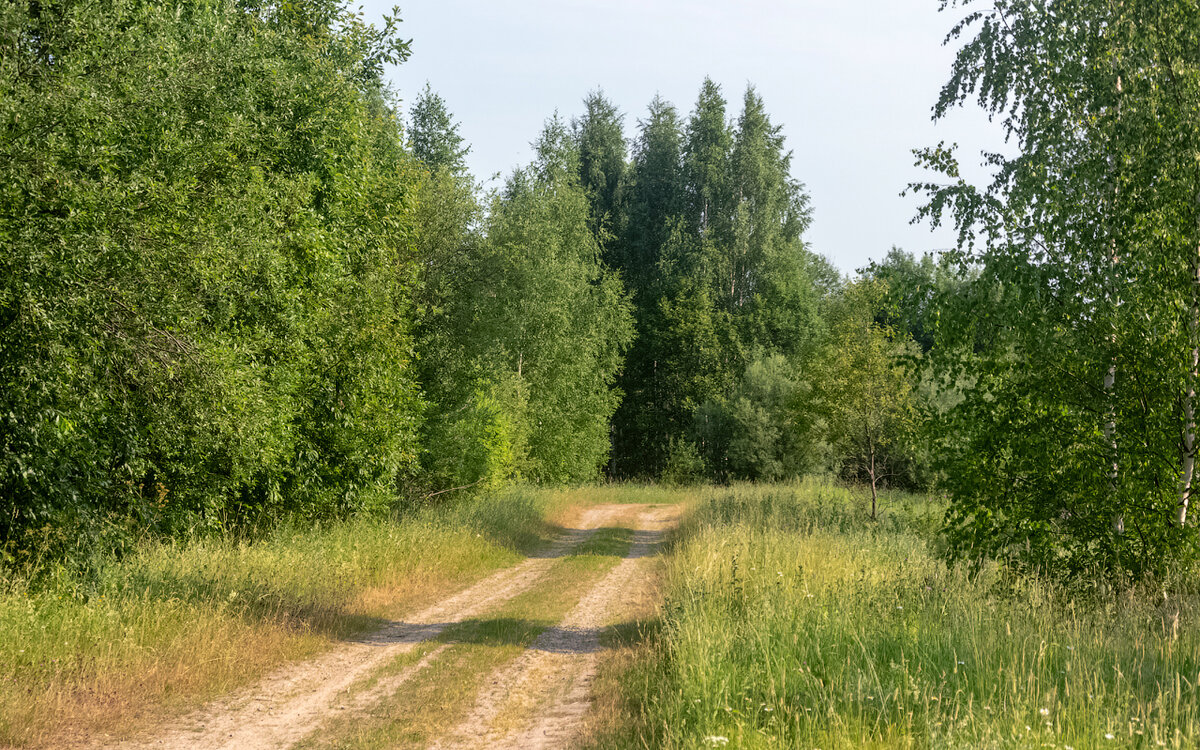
(549, 686)
(550, 682)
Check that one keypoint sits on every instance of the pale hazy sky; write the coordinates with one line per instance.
(852, 83)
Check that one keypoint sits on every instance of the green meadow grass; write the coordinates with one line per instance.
(791, 621)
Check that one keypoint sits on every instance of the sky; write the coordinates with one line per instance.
(852, 84)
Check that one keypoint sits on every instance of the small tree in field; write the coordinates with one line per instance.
(863, 386)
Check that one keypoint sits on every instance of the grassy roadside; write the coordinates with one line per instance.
(434, 700)
(791, 622)
(174, 624)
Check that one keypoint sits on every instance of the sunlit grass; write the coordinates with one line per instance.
(791, 621)
(436, 699)
(174, 623)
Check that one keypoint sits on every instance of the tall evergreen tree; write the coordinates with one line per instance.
(655, 195)
(719, 273)
(655, 209)
(770, 289)
(433, 135)
(706, 165)
(600, 138)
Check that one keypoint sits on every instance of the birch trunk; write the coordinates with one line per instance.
(871, 473)
(1110, 435)
(1110, 377)
(1189, 399)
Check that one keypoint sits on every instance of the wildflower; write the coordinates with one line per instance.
(1109, 736)
(1044, 711)
(716, 740)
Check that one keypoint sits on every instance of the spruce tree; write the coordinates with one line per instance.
(433, 135)
(655, 207)
(600, 139)
(771, 293)
(706, 164)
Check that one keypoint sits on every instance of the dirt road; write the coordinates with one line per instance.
(537, 700)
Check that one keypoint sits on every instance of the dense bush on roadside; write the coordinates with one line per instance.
(205, 214)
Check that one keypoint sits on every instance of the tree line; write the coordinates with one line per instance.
(645, 307)
(242, 283)
(238, 285)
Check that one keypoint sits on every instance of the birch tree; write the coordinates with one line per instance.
(1082, 421)
(863, 388)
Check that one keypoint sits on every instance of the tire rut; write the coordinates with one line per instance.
(294, 701)
(548, 688)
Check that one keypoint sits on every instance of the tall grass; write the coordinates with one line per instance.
(173, 623)
(791, 621)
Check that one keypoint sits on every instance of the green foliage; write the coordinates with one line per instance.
(433, 136)
(552, 313)
(600, 139)
(863, 389)
(203, 292)
(713, 254)
(913, 289)
(756, 432)
(655, 203)
(684, 464)
(525, 328)
(1074, 446)
(475, 430)
(482, 443)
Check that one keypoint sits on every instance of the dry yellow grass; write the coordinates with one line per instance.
(441, 695)
(173, 625)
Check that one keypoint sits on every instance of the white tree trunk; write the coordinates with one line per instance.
(1110, 377)
(1189, 400)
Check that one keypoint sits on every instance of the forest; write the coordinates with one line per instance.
(220, 311)
(288, 396)
(245, 282)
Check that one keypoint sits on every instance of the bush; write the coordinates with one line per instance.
(203, 292)
(756, 433)
(684, 463)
